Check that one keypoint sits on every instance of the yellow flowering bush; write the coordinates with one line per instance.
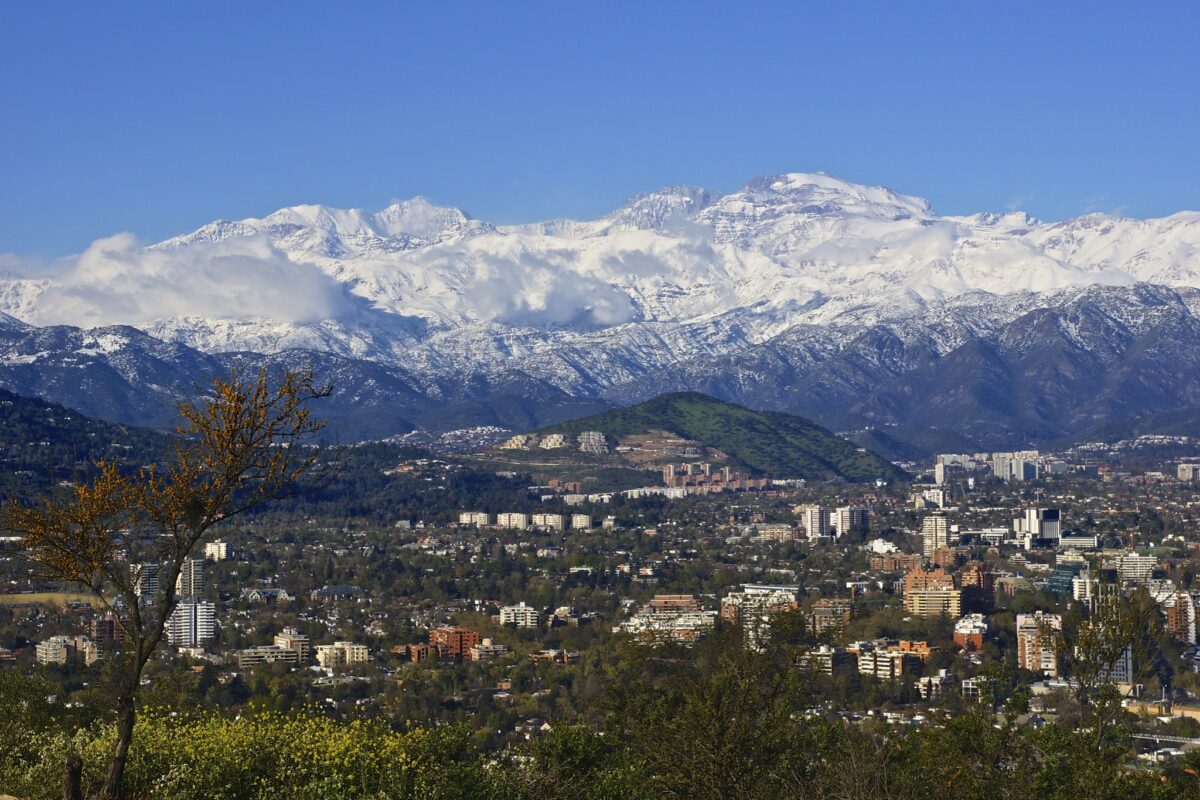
(260, 755)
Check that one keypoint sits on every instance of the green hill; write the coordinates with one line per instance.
(44, 443)
(912, 442)
(764, 442)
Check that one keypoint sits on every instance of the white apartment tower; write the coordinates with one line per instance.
(216, 551)
(1039, 524)
(935, 533)
(851, 518)
(816, 521)
(192, 623)
(521, 615)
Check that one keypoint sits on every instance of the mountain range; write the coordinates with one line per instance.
(855, 306)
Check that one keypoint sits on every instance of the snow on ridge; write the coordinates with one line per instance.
(782, 251)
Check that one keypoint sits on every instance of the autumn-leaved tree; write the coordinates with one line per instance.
(245, 443)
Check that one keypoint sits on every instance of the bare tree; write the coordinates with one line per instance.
(242, 445)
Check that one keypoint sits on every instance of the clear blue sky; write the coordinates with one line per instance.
(158, 118)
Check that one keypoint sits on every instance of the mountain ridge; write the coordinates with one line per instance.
(798, 292)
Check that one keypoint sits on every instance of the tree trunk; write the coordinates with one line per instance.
(116, 765)
(73, 778)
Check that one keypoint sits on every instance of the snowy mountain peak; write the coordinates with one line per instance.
(669, 204)
(419, 283)
(817, 189)
(339, 221)
(420, 218)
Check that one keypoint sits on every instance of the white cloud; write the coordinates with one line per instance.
(116, 281)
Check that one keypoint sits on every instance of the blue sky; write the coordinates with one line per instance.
(157, 118)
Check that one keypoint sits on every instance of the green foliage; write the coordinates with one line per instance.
(723, 722)
(761, 441)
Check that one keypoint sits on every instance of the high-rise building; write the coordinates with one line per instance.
(935, 533)
(1040, 527)
(104, 629)
(1036, 637)
(933, 602)
(554, 522)
(1135, 567)
(923, 579)
(830, 612)
(55, 650)
(192, 623)
(978, 584)
(1061, 582)
(145, 581)
(848, 519)
(1024, 469)
(815, 520)
(1181, 617)
(931, 592)
(1002, 465)
(513, 519)
(190, 582)
(1188, 472)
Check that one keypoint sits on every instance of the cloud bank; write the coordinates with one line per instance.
(117, 281)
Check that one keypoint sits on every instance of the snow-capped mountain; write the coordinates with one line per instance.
(798, 291)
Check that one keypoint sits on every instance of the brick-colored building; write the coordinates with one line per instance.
(895, 562)
(1036, 634)
(453, 643)
(970, 631)
(921, 579)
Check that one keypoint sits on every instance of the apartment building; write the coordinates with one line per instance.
(292, 639)
(453, 642)
(341, 654)
(753, 606)
(521, 615)
(267, 654)
(192, 623)
(1036, 639)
